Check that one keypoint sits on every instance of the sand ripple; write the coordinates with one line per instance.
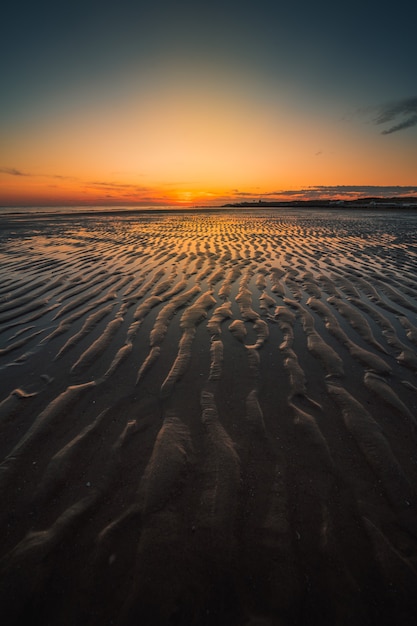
(209, 418)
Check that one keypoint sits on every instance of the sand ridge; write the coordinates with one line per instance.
(209, 418)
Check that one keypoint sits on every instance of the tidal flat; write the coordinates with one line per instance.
(209, 418)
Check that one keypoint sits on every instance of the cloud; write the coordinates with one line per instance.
(59, 176)
(97, 183)
(412, 121)
(354, 191)
(332, 192)
(12, 171)
(122, 190)
(399, 115)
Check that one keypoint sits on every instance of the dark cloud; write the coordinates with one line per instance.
(399, 115)
(383, 190)
(411, 121)
(12, 171)
(355, 191)
(246, 194)
(335, 191)
(110, 185)
(96, 183)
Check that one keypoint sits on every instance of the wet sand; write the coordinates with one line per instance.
(209, 418)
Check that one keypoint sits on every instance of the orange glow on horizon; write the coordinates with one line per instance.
(189, 145)
(88, 195)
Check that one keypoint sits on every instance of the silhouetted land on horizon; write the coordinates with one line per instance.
(409, 202)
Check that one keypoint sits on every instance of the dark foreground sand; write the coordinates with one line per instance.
(209, 419)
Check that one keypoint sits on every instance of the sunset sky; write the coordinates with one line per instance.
(192, 102)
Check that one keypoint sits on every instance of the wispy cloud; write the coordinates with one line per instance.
(359, 191)
(399, 115)
(331, 192)
(119, 187)
(110, 185)
(12, 171)
(59, 176)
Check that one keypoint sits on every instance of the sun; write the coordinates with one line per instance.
(185, 197)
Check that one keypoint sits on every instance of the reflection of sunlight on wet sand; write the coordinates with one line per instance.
(233, 388)
(59, 248)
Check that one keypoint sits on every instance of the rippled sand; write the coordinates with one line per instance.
(209, 419)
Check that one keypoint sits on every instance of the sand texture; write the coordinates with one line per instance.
(209, 418)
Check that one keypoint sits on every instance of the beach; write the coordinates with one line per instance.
(209, 418)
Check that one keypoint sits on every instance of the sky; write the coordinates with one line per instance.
(199, 103)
